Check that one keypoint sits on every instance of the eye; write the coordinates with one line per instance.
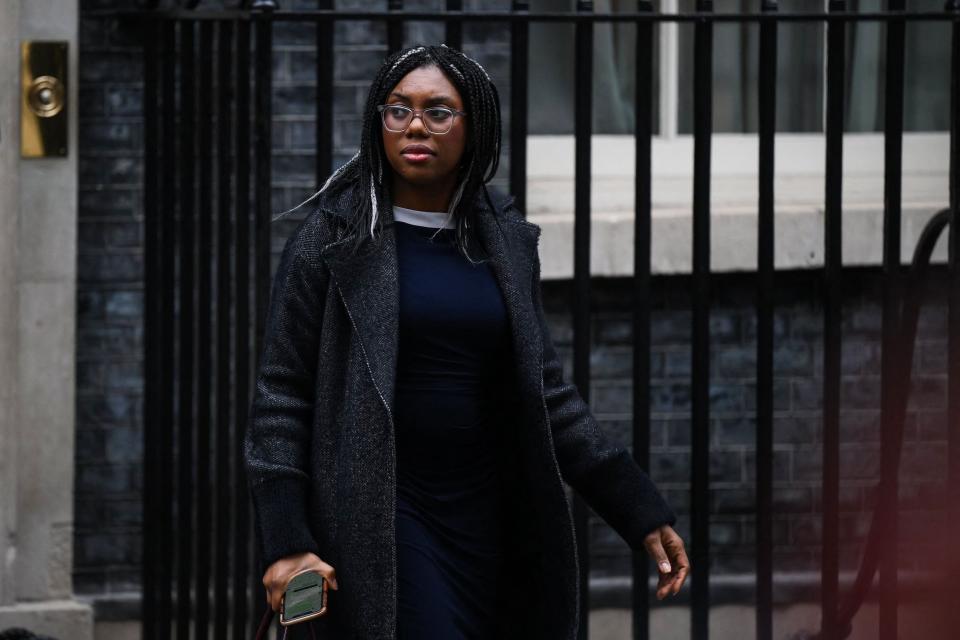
(438, 114)
(397, 111)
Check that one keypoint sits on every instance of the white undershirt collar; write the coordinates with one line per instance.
(432, 219)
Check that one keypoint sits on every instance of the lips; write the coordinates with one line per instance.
(418, 150)
(417, 153)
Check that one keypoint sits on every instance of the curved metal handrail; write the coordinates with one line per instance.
(910, 316)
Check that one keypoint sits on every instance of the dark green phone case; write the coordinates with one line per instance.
(304, 597)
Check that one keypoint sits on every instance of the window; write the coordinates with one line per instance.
(800, 82)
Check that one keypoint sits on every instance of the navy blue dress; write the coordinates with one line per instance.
(454, 338)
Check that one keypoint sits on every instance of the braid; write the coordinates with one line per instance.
(480, 160)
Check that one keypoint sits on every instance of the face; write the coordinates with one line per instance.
(417, 156)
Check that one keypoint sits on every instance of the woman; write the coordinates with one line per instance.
(411, 426)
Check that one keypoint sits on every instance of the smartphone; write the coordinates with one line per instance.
(304, 599)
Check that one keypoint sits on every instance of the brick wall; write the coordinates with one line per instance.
(110, 327)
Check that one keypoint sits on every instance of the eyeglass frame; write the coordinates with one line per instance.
(418, 114)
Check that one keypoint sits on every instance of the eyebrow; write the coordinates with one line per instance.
(439, 99)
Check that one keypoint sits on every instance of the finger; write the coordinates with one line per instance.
(331, 575)
(659, 554)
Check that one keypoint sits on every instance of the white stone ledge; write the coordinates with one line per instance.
(799, 195)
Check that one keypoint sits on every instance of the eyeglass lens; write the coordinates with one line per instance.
(436, 120)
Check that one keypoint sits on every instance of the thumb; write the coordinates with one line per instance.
(658, 553)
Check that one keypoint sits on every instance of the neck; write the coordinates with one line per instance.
(435, 197)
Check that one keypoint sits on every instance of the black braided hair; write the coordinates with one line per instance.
(369, 169)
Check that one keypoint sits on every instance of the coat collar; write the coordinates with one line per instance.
(367, 283)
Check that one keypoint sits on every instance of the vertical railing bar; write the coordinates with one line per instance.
(242, 621)
(583, 120)
(700, 439)
(519, 60)
(325, 53)
(152, 338)
(767, 121)
(891, 364)
(643, 133)
(187, 325)
(454, 27)
(225, 95)
(832, 273)
(953, 305)
(262, 130)
(165, 338)
(204, 314)
(394, 27)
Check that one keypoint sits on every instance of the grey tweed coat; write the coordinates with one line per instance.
(319, 447)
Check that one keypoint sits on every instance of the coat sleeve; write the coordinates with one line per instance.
(278, 436)
(603, 473)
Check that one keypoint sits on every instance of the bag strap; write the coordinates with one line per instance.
(264, 627)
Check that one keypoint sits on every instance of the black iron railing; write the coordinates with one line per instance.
(197, 538)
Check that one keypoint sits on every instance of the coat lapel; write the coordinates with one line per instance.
(367, 284)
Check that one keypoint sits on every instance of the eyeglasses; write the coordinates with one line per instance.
(437, 120)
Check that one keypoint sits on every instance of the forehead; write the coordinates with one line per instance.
(426, 85)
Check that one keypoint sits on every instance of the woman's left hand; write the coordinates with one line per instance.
(666, 548)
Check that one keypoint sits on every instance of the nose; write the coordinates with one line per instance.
(418, 121)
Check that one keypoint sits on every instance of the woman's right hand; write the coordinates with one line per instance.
(279, 573)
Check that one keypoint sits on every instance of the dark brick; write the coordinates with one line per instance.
(124, 100)
(103, 478)
(725, 534)
(346, 132)
(781, 396)
(726, 398)
(806, 394)
(613, 330)
(928, 392)
(123, 375)
(924, 461)
(91, 445)
(676, 432)
(860, 357)
(110, 66)
(299, 166)
(860, 393)
(611, 397)
(91, 102)
(611, 363)
(670, 467)
(795, 429)
(359, 31)
(724, 326)
(99, 137)
(677, 363)
(124, 445)
(734, 431)
(294, 100)
(114, 171)
(107, 409)
(102, 548)
(668, 398)
(732, 501)
(96, 342)
(108, 202)
(358, 63)
(670, 327)
(932, 425)
(726, 466)
(116, 267)
(780, 325)
(861, 461)
(782, 465)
